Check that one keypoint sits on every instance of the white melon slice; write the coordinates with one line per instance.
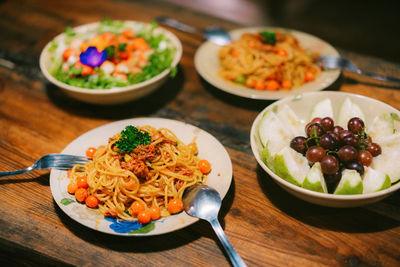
(387, 143)
(322, 109)
(349, 110)
(350, 183)
(388, 162)
(374, 181)
(274, 133)
(290, 120)
(381, 126)
(315, 180)
(291, 166)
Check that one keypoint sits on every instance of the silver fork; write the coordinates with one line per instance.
(51, 161)
(335, 62)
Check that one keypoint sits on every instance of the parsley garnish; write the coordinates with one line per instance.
(270, 37)
(131, 137)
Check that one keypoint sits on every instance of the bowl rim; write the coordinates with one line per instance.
(99, 91)
(302, 190)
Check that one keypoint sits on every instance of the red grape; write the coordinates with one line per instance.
(316, 120)
(327, 124)
(355, 125)
(315, 154)
(314, 127)
(343, 134)
(364, 157)
(329, 164)
(327, 141)
(337, 129)
(355, 166)
(352, 140)
(374, 149)
(299, 144)
(347, 153)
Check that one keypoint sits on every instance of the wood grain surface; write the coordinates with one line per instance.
(266, 225)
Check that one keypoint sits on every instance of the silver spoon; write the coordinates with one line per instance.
(214, 34)
(204, 202)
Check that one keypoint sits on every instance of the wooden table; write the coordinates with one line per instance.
(266, 225)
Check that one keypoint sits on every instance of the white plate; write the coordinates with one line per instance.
(208, 146)
(302, 105)
(207, 64)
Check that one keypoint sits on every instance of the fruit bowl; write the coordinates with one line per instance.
(277, 125)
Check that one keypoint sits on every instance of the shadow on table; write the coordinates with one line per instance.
(141, 107)
(149, 243)
(351, 220)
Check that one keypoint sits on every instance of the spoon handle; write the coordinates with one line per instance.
(176, 24)
(235, 258)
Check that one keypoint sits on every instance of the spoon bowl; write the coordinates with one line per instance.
(204, 202)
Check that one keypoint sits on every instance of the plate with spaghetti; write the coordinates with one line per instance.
(139, 168)
(266, 63)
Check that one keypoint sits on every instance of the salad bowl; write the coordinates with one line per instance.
(159, 39)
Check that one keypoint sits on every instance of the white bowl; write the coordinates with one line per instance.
(115, 95)
(302, 105)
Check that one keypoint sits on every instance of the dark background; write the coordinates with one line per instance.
(364, 26)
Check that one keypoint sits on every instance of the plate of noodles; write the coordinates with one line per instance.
(138, 171)
(266, 63)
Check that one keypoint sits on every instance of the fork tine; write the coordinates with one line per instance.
(66, 156)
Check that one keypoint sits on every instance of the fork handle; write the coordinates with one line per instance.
(3, 174)
(379, 77)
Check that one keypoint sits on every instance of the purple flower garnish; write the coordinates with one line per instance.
(92, 57)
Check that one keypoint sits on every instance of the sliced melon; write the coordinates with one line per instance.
(322, 109)
(388, 143)
(290, 120)
(350, 183)
(374, 181)
(381, 126)
(273, 132)
(388, 162)
(291, 166)
(349, 110)
(315, 180)
(267, 158)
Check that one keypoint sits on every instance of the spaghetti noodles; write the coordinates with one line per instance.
(151, 176)
(267, 61)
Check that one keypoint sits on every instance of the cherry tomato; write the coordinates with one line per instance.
(72, 188)
(131, 185)
(286, 84)
(281, 52)
(309, 76)
(82, 182)
(144, 217)
(175, 205)
(90, 152)
(81, 194)
(92, 202)
(155, 213)
(259, 85)
(272, 85)
(86, 70)
(204, 166)
(136, 207)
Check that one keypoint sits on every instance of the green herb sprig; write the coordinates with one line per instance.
(131, 137)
